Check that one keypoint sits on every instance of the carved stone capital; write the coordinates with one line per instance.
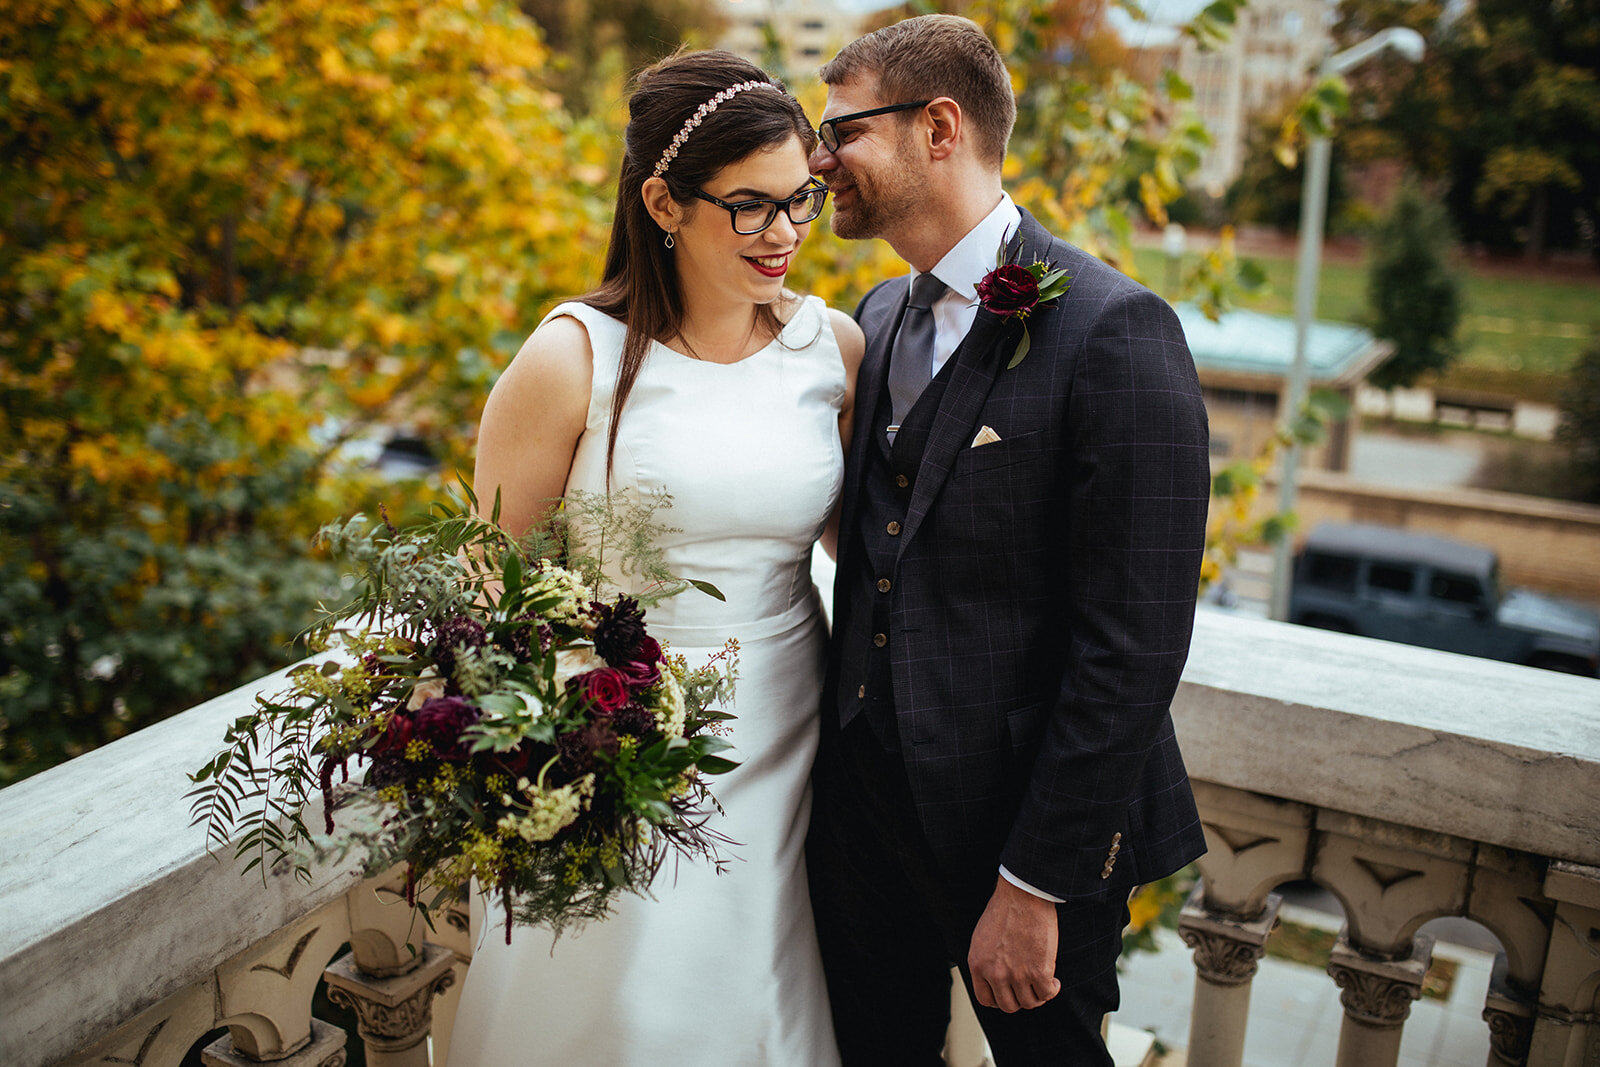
(1379, 992)
(325, 1049)
(1227, 951)
(1510, 1019)
(394, 1014)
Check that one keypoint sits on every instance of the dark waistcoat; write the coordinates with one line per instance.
(865, 685)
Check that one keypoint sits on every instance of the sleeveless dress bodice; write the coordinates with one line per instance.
(715, 968)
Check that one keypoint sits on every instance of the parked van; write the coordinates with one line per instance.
(1431, 591)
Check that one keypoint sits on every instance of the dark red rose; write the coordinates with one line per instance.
(440, 722)
(1009, 290)
(393, 741)
(606, 688)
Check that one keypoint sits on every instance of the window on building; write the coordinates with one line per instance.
(813, 24)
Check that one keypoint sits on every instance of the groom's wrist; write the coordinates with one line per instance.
(1025, 887)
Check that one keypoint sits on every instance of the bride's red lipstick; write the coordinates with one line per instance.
(770, 272)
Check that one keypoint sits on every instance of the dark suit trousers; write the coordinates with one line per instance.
(892, 922)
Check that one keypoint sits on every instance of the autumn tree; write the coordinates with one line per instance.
(234, 236)
(1504, 112)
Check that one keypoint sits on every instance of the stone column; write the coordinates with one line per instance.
(394, 1013)
(325, 1049)
(1226, 953)
(1377, 996)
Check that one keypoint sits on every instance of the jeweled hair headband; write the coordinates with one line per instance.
(700, 116)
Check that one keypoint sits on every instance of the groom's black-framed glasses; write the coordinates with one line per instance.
(753, 216)
(828, 131)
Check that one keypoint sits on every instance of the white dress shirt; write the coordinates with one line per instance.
(961, 269)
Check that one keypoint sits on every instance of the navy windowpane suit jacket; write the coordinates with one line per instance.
(1044, 593)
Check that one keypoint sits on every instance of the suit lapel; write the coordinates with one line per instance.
(978, 363)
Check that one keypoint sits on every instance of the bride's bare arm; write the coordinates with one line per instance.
(531, 424)
(852, 343)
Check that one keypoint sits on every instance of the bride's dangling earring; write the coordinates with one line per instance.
(669, 242)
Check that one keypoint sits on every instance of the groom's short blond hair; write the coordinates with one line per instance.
(931, 56)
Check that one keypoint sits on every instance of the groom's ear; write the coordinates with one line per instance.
(667, 212)
(944, 127)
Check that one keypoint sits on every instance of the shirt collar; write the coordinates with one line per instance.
(964, 266)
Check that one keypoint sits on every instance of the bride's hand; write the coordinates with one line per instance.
(1013, 952)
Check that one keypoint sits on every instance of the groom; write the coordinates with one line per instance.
(1018, 562)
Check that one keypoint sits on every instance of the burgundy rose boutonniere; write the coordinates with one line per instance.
(1013, 291)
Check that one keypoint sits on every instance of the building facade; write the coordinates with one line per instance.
(1270, 57)
(806, 32)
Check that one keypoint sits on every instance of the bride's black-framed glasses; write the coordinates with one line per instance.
(828, 131)
(753, 216)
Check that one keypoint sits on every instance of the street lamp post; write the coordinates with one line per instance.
(1313, 216)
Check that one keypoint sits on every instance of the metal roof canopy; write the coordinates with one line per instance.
(1249, 342)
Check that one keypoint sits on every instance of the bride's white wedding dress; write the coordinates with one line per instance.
(719, 969)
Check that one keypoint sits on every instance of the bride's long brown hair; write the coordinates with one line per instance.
(640, 285)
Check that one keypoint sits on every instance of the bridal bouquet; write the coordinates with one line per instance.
(514, 724)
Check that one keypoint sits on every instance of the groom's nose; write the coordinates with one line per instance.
(821, 159)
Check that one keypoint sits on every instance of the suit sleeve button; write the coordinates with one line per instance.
(862, 693)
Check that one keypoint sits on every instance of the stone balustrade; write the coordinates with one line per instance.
(1410, 783)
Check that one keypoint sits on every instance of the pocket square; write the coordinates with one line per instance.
(986, 436)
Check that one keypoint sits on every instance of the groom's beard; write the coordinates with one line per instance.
(885, 200)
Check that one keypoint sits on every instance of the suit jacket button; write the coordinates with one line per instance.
(901, 480)
(862, 693)
(894, 529)
(883, 585)
(880, 639)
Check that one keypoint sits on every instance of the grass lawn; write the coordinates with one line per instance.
(1519, 335)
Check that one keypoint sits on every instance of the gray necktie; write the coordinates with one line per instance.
(911, 356)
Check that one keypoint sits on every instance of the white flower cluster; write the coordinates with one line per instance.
(574, 604)
(673, 709)
(700, 116)
(550, 810)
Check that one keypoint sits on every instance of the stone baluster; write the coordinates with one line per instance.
(1226, 954)
(1566, 1032)
(1377, 995)
(395, 1013)
(324, 1049)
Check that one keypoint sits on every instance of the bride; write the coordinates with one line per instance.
(692, 370)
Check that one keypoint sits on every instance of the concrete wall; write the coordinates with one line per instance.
(1548, 545)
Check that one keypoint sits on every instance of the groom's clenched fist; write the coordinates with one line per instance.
(1013, 952)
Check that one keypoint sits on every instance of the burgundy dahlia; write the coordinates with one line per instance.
(440, 722)
(1009, 290)
(644, 670)
(634, 719)
(450, 637)
(580, 747)
(619, 631)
